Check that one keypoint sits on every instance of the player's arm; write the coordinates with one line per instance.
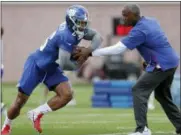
(65, 62)
(96, 41)
(95, 38)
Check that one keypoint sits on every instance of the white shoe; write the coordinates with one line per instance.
(145, 132)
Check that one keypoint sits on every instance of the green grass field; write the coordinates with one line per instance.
(82, 119)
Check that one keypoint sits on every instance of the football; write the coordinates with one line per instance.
(77, 56)
(75, 51)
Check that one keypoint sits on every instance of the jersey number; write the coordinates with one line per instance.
(49, 38)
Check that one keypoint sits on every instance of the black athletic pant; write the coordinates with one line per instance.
(160, 81)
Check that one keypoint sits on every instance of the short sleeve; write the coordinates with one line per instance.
(135, 38)
(65, 41)
(89, 34)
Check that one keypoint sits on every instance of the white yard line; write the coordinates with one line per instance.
(124, 115)
(92, 121)
(89, 121)
(125, 128)
(77, 122)
(102, 114)
(59, 124)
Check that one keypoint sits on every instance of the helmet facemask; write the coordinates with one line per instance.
(79, 26)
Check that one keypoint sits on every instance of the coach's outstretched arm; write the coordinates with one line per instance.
(134, 39)
(111, 50)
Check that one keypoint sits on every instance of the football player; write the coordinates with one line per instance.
(41, 66)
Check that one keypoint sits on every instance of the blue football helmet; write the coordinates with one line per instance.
(77, 19)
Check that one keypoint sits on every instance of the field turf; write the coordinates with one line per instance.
(82, 119)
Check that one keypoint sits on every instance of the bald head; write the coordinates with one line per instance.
(131, 14)
(133, 8)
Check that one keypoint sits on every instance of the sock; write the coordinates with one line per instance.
(7, 121)
(43, 109)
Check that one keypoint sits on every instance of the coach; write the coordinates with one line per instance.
(151, 42)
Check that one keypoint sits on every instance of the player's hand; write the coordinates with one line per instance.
(81, 51)
(81, 54)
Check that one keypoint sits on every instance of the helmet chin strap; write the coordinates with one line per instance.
(78, 33)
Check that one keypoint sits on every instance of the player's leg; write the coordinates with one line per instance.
(59, 83)
(63, 96)
(29, 80)
(13, 112)
(163, 96)
(45, 95)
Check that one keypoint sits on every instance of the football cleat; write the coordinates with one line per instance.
(36, 120)
(6, 130)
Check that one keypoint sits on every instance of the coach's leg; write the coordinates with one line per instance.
(141, 92)
(163, 96)
(141, 95)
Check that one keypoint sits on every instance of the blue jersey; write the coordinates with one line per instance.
(150, 41)
(47, 54)
(41, 65)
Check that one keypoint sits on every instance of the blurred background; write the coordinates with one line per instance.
(28, 24)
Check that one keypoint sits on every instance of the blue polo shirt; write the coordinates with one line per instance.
(152, 44)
